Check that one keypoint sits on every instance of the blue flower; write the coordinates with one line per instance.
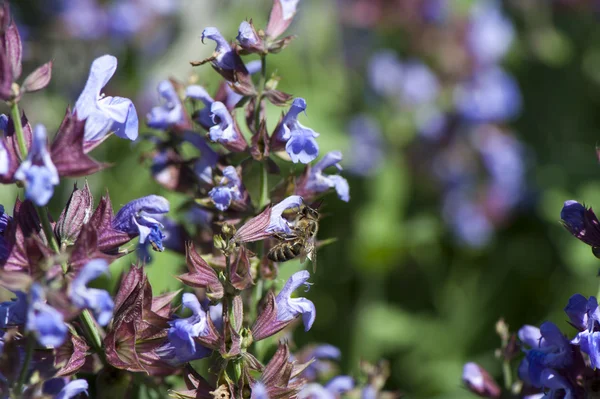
(4, 161)
(319, 182)
(224, 55)
(99, 301)
(289, 308)
(60, 389)
(42, 319)
(259, 391)
(490, 96)
(182, 347)
(319, 366)
(467, 218)
(14, 312)
(229, 189)
(37, 171)
(277, 223)
(208, 157)
(366, 147)
(581, 222)
(84, 19)
(199, 93)
(232, 96)
(551, 350)
(139, 217)
(4, 221)
(479, 381)
(103, 113)
(556, 383)
(223, 130)
(168, 114)
(332, 390)
(490, 33)
(418, 85)
(300, 145)
(247, 35)
(585, 315)
(385, 73)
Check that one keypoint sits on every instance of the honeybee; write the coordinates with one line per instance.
(301, 241)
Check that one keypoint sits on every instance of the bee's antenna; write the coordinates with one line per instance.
(317, 205)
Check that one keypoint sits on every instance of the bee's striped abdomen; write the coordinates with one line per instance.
(285, 251)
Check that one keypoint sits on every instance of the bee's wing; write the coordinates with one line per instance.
(310, 252)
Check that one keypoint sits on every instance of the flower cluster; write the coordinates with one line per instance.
(456, 97)
(242, 207)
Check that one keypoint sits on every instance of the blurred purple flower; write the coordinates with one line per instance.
(229, 189)
(300, 145)
(14, 312)
(42, 319)
(467, 219)
(319, 182)
(277, 223)
(557, 384)
(419, 85)
(104, 113)
(385, 74)
(168, 114)
(430, 121)
(139, 217)
(289, 308)
(259, 391)
(181, 346)
(585, 315)
(479, 381)
(99, 301)
(4, 221)
(366, 146)
(127, 18)
(490, 95)
(435, 11)
(320, 355)
(84, 19)
(208, 157)
(37, 171)
(332, 390)
(490, 33)
(581, 222)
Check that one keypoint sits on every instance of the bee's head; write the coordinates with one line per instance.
(309, 212)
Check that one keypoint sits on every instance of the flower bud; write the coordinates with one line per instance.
(77, 213)
(479, 381)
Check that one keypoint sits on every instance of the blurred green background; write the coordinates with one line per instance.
(397, 284)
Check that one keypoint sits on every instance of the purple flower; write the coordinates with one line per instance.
(99, 301)
(418, 85)
(60, 389)
(127, 18)
(585, 315)
(430, 121)
(490, 95)
(14, 312)
(208, 157)
(104, 113)
(479, 381)
(182, 347)
(289, 308)
(247, 35)
(259, 391)
(552, 350)
(319, 182)
(581, 222)
(300, 145)
(229, 189)
(84, 19)
(4, 220)
(277, 223)
(320, 365)
(385, 73)
(489, 34)
(139, 217)
(168, 114)
(435, 11)
(224, 55)
(556, 383)
(42, 319)
(332, 390)
(224, 129)
(467, 218)
(37, 171)
(199, 93)
(366, 148)
(4, 160)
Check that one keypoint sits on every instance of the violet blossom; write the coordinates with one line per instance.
(99, 301)
(300, 141)
(138, 217)
(289, 308)
(319, 182)
(229, 189)
(170, 112)
(43, 320)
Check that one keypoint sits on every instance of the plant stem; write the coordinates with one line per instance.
(90, 327)
(16, 117)
(507, 372)
(47, 226)
(26, 361)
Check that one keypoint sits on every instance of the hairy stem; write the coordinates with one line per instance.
(26, 362)
(16, 117)
(90, 328)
